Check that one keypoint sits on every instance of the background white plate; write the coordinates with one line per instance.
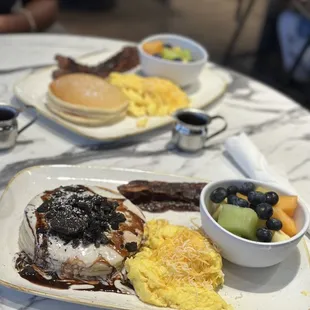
(284, 286)
(32, 91)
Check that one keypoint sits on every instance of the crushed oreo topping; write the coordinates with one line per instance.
(75, 213)
(115, 221)
(131, 246)
(44, 207)
(66, 224)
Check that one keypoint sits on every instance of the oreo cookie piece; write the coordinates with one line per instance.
(131, 246)
(68, 224)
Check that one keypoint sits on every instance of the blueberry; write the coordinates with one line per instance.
(218, 195)
(232, 190)
(264, 235)
(157, 55)
(272, 198)
(274, 224)
(167, 45)
(251, 196)
(242, 203)
(256, 198)
(233, 200)
(246, 187)
(264, 211)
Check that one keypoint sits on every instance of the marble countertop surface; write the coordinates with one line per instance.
(277, 125)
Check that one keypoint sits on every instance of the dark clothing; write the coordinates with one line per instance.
(6, 6)
(90, 5)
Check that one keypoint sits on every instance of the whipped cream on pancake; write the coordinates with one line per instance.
(79, 233)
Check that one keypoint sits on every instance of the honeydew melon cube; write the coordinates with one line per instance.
(239, 221)
(279, 236)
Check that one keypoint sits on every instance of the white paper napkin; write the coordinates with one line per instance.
(253, 163)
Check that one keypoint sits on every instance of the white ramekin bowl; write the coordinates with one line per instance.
(245, 252)
(180, 73)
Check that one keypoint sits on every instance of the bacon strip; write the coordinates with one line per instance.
(162, 196)
(123, 61)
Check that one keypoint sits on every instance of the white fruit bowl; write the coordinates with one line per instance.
(182, 74)
(245, 252)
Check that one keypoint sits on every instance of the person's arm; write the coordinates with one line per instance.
(43, 13)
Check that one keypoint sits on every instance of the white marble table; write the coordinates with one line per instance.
(277, 125)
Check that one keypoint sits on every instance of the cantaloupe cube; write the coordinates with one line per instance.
(262, 189)
(289, 226)
(154, 47)
(242, 196)
(288, 204)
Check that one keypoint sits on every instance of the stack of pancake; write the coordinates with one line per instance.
(86, 100)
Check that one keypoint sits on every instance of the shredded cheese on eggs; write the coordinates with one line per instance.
(177, 267)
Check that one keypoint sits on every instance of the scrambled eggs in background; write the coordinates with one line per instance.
(178, 268)
(149, 96)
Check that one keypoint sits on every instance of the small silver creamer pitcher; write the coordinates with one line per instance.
(190, 131)
(9, 127)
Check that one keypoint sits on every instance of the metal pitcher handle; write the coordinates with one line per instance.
(32, 121)
(222, 129)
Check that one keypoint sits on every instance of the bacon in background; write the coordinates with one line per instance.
(123, 61)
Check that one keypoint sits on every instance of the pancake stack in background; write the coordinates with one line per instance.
(86, 100)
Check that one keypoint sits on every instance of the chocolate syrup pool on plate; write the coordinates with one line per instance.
(28, 271)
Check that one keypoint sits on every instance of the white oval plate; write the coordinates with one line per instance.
(32, 91)
(284, 286)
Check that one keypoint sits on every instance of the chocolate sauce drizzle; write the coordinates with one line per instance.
(99, 214)
(28, 271)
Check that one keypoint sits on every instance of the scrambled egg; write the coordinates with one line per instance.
(177, 267)
(149, 96)
(142, 122)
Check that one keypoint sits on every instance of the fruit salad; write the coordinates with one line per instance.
(255, 213)
(167, 51)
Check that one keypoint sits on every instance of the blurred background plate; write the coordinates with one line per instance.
(32, 89)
